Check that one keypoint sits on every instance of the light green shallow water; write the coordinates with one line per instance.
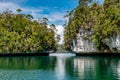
(59, 68)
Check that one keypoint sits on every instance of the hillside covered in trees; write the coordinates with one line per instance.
(20, 33)
(103, 20)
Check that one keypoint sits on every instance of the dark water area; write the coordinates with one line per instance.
(59, 68)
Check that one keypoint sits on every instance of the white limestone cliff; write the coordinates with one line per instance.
(80, 44)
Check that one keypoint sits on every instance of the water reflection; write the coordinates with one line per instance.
(44, 63)
(84, 67)
(118, 71)
(98, 68)
(60, 68)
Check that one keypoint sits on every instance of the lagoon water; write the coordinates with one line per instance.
(59, 68)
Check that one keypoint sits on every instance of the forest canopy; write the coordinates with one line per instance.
(102, 19)
(21, 33)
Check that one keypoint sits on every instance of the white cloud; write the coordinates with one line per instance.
(14, 7)
(8, 5)
(60, 31)
(56, 16)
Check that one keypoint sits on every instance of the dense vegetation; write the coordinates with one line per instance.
(20, 33)
(102, 19)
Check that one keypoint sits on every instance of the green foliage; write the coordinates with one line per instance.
(19, 33)
(103, 20)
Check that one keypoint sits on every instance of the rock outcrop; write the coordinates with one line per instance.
(81, 44)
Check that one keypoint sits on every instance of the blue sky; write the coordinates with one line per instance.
(54, 10)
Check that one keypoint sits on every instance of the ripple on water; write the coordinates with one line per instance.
(32, 75)
(26, 75)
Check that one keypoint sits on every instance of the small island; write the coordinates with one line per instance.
(93, 27)
(20, 33)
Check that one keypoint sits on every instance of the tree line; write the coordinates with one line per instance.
(21, 33)
(102, 19)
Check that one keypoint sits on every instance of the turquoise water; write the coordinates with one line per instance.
(59, 68)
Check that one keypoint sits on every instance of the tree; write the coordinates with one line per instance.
(29, 16)
(84, 3)
(18, 33)
(19, 10)
(103, 20)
